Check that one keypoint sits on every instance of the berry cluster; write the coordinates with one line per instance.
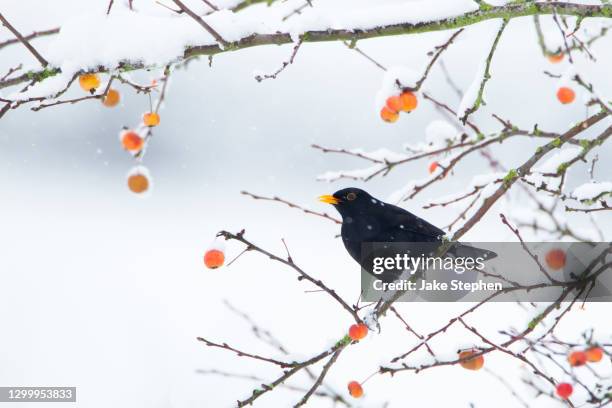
(404, 102)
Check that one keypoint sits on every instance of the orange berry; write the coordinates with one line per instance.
(566, 95)
(89, 82)
(594, 354)
(358, 331)
(577, 358)
(474, 363)
(394, 103)
(138, 183)
(132, 141)
(555, 58)
(433, 166)
(214, 258)
(111, 99)
(388, 115)
(355, 389)
(409, 101)
(150, 119)
(555, 259)
(564, 390)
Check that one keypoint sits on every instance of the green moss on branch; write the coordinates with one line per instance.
(508, 11)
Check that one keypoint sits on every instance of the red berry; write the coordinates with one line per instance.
(555, 58)
(132, 141)
(564, 390)
(409, 101)
(358, 331)
(433, 166)
(555, 259)
(594, 354)
(112, 98)
(394, 103)
(566, 95)
(389, 115)
(577, 358)
(355, 389)
(214, 258)
(473, 363)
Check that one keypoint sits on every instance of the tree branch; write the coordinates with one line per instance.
(509, 11)
(35, 34)
(289, 262)
(201, 22)
(487, 74)
(513, 175)
(23, 40)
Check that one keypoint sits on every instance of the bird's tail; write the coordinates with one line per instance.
(463, 250)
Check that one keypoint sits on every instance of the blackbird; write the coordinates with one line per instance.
(366, 219)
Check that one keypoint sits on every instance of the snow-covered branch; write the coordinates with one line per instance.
(241, 32)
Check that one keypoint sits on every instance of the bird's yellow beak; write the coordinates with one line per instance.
(329, 199)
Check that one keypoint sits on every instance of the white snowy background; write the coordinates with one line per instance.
(107, 292)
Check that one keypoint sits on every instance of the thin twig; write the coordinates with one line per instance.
(201, 22)
(24, 41)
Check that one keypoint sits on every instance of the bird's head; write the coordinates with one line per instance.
(348, 200)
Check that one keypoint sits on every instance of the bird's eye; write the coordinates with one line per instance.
(351, 196)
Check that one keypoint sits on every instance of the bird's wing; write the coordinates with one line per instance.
(408, 227)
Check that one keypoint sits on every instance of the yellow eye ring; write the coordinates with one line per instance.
(351, 196)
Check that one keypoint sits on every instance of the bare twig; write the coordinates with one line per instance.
(201, 22)
(35, 34)
(292, 205)
(24, 41)
(487, 73)
(289, 262)
(240, 353)
(525, 168)
(285, 64)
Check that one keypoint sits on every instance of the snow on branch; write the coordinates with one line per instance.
(182, 41)
(474, 96)
(592, 191)
(525, 168)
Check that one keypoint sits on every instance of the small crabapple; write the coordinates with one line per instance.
(388, 115)
(566, 95)
(89, 82)
(355, 389)
(555, 58)
(409, 101)
(214, 258)
(132, 141)
(564, 390)
(577, 358)
(358, 331)
(111, 99)
(138, 183)
(150, 119)
(433, 166)
(474, 363)
(594, 354)
(555, 259)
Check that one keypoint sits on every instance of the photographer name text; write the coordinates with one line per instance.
(434, 285)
